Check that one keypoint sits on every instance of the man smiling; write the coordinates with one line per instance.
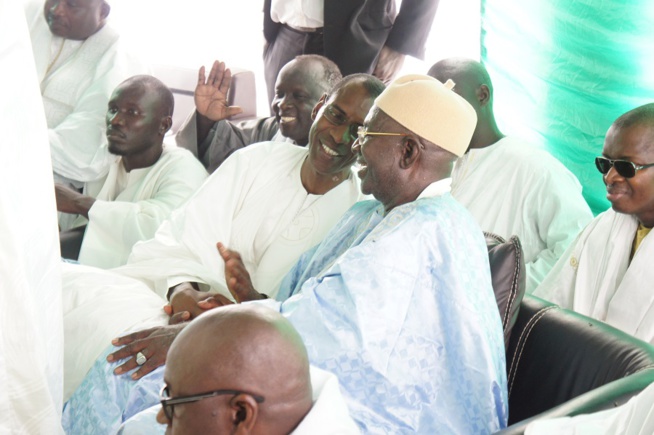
(143, 186)
(272, 201)
(396, 301)
(299, 86)
(607, 272)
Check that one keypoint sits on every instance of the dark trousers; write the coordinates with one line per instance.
(70, 242)
(288, 44)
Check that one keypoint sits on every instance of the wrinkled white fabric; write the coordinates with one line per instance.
(594, 276)
(254, 203)
(121, 217)
(298, 13)
(31, 333)
(393, 307)
(512, 188)
(405, 318)
(635, 417)
(99, 305)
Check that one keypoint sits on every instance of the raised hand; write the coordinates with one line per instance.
(153, 343)
(237, 277)
(211, 93)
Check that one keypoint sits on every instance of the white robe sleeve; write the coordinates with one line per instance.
(115, 226)
(559, 220)
(181, 250)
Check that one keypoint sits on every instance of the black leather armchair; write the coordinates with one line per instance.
(562, 363)
(508, 278)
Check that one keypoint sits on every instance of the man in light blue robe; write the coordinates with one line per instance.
(405, 318)
(397, 300)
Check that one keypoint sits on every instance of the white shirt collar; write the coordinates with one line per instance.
(437, 188)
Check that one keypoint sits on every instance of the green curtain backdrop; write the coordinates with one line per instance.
(563, 70)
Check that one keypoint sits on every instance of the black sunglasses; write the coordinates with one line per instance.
(168, 403)
(625, 168)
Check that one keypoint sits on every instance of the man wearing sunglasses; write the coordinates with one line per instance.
(510, 187)
(299, 86)
(608, 272)
(253, 377)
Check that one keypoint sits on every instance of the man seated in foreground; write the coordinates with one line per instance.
(300, 84)
(273, 201)
(607, 272)
(143, 186)
(252, 377)
(396, 301)
(509, 186)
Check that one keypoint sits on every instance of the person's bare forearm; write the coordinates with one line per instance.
(73, 202)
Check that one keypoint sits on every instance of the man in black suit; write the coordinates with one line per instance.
(367, 36)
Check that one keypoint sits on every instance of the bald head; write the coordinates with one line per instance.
(246, 348)
(466, 73)
(371, 84)
(328, 73)
(165, 101)
(643, 115)
(299, 86)
(473, 83)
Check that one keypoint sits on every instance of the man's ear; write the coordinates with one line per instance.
(319, 104)
(243, 411)
(104, 10)
(483, 95)
(411, 149)
(166, 123)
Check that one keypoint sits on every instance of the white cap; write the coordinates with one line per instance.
(431, 110)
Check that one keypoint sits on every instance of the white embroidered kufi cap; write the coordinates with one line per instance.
(431, 110)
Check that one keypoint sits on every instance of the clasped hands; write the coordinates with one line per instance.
(186, 303)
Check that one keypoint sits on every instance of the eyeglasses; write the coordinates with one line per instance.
(362, 132)
(625, 168)
(168, 403)
(337, 118)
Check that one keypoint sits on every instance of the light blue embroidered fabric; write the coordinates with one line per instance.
(399, 307)
(402, 311)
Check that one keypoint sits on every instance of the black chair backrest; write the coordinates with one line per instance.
(508, 276)
(556, 355)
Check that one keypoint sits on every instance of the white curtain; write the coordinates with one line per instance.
(31, 331)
